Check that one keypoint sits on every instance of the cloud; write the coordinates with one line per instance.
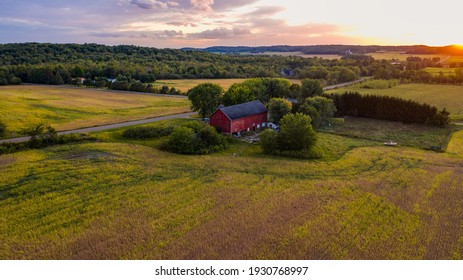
(152, 4)
(163, 34)
(182, 23)
(265, 11)
(202, 5)
(220, 5)
(220, 33)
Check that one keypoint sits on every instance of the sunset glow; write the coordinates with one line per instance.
(199, 23)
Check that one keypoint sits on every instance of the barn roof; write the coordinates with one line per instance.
(244, 109)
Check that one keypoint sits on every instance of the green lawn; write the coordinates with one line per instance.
(68, 108)
(441, 96)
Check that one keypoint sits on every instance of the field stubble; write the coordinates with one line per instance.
(371, 203)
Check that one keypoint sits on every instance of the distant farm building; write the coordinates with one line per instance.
(242, 117)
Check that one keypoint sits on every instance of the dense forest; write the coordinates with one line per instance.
(61, 63)
(137, 67)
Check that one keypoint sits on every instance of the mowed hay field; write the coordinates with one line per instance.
(111, 200)
(441, 96)
(68, 108)
(185, 84)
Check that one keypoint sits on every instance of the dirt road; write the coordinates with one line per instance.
(105, 127)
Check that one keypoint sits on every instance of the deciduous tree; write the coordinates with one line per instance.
(205, 98)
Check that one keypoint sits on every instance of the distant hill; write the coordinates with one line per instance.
(334, 49)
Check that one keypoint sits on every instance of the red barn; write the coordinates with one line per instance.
(242, 117)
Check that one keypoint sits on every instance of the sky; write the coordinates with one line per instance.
(203, 23)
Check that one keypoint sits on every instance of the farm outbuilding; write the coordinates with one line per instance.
(242, 117)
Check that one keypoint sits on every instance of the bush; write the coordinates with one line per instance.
(8, 148)
(147, 132)
(296, 138)
(187, 140)
(379, 84)
(268, 141)
(2, 129)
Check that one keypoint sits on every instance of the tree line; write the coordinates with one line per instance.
(388, 108)
(61, 63)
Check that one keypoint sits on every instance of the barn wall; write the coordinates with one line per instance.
(250, 122)
(218, 119)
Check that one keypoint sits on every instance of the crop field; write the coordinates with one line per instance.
(119, 199)
(186, 84)
(441, 96)
(69, 108)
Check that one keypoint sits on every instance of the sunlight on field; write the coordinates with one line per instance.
(402, 56)
(444, 71)
(69, 108)
(186, 84)
(441, 96)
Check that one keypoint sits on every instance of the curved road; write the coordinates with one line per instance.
(105, 127)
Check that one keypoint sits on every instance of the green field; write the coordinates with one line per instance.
(68, 108)
(445, 71)
(186, 84)
(441, 96)
(121, 199)
(403, 56)
(418, 136)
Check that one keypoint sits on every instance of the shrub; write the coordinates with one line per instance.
(379, 84)
(8, 148)
(194, 139)
(268, 141)
(146, 132)
(296, 138)
(2, 129)
(39, 133)
(182, 141)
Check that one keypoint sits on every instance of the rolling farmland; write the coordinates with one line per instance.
(68, 108)
(121, 200)
(116, 198)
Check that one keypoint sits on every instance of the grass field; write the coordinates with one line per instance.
(441, 96)
(121, 199)
(444, 71)
(186, 84)
(69, 108)
(419, 136)
(402, 56)
(455, 59)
